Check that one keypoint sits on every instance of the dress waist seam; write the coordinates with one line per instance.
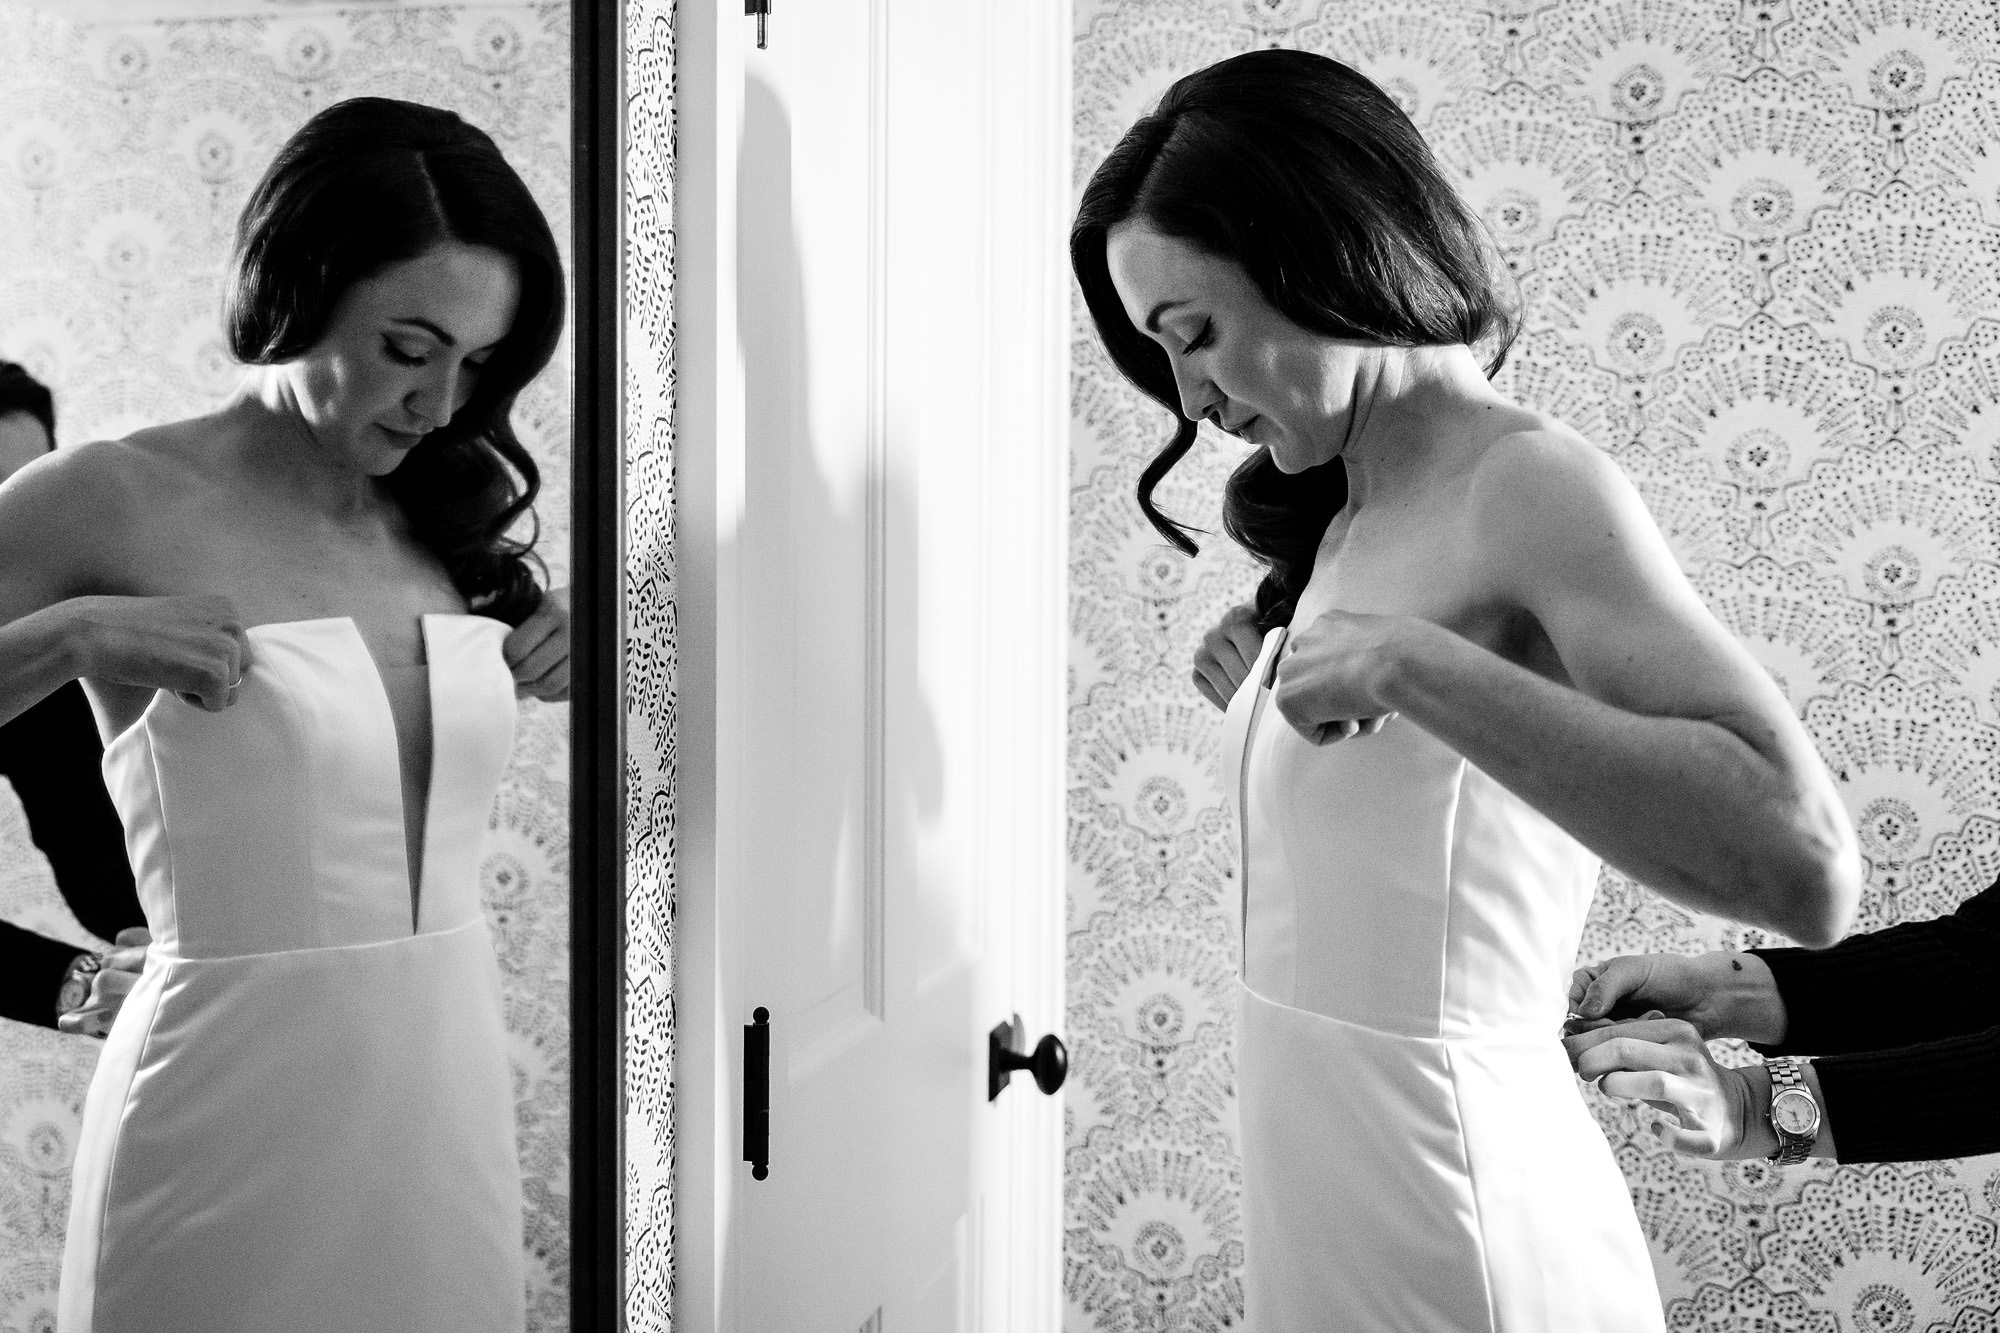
(170, 957)
(1523, 1034)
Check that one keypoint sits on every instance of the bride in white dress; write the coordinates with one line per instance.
(302, 623)
(1472, 670)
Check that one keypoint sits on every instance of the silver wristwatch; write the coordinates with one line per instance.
(1794, 1113)
(75, 989)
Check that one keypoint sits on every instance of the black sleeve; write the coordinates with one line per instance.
(31, 972)
(1916, 1104)
(1921, 981)
(53, 758)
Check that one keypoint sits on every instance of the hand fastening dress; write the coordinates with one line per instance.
(1416, 1155)
(302, 1119)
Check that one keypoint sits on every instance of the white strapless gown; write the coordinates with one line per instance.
(303, 1120)
(1417, 1155)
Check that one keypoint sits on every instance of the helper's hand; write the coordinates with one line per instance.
(1663, 1062)
(1328, 674)
(193, 646)
(1718, 994)
(1227, 653)
(537, 650)
(109, 987)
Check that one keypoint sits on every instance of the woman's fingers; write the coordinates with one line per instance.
(1648, 1043)
(1348, 728)
(1652, 1086)
(537, 650)
(545, 667)
(1206, 683)
(126, 958)
(1226, 654)
(109, 988)
(85, 1022)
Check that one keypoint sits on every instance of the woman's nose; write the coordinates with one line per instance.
(1198, 393)
(438, 397)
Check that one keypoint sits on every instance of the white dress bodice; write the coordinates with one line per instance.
(302, 1118)
(1416, 1154)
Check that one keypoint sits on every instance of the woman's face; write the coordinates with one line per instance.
(1237, 361)
(402, 353)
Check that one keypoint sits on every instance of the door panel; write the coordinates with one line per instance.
(887, 612)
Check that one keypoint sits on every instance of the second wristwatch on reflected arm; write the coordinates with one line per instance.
(75, 990)
(1794, 1112)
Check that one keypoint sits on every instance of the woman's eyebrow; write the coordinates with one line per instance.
(429, 328)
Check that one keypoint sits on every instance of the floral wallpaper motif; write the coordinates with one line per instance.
(126, 149)
(651, 661)
(1759, 246)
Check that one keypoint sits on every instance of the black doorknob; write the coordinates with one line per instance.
(1049, 1064)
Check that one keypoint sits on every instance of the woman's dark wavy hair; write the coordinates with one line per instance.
(368, 183)
(22, 392)
(1313, 180)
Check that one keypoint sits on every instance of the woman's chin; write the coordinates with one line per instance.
(1289, 462)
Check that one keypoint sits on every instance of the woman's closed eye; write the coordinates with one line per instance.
(1201, 339)
(402, 357)
(407, 358)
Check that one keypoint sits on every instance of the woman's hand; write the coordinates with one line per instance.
(1719, 994)
(193, 646)
(1331, 671)
(537, 650)
(1227, 653)
(1664, 1063)
(111, 984)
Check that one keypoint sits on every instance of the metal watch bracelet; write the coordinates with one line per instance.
(1794, 1112)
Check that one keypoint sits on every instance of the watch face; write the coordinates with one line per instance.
(1793, 1112)
(73, 993)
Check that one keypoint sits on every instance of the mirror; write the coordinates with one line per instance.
(130, 134)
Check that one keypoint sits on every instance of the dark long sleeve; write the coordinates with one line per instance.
(50, 754)
(31, 972)
(1905, 1027)
(1915, 1103)
(1916, 982)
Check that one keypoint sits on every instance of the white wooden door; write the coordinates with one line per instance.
(884, 852)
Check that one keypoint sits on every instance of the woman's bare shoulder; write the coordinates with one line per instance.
(1543, 497)
(97, 497)
(1534, 462)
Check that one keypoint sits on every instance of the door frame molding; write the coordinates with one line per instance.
(708, 465)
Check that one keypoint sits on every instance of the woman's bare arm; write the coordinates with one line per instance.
(60, 519)
(1675, 757)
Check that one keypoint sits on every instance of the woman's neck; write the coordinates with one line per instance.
(269, 439)
(1405, 404)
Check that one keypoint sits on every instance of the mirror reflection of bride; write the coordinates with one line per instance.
(294, 617)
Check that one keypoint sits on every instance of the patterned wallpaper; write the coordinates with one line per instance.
(1760, 246)
(651, 662)
(125, 152)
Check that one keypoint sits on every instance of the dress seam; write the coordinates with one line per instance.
(118, 1142)
(1451, 1069)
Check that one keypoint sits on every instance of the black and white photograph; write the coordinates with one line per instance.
(999, 666)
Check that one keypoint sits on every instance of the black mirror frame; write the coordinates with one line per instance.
(597, 708)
